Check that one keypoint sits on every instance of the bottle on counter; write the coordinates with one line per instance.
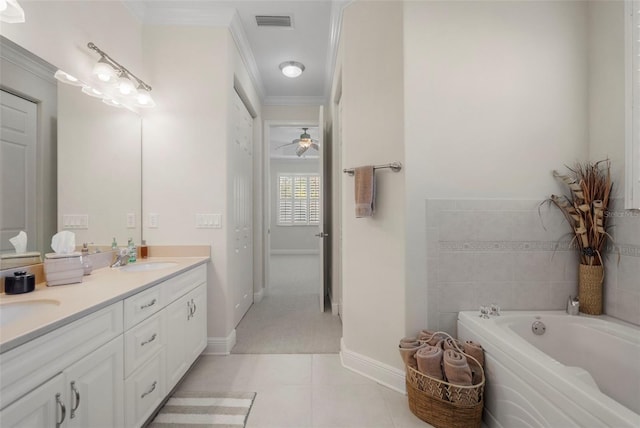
(133, 251)
(114, 244)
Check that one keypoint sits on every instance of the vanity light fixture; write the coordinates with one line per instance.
(292, 69)
(113, 83)
(11, 12)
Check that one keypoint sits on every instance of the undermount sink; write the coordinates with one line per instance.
(144, 267)
(16, 311)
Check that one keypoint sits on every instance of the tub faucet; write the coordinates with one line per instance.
(122, 258)
(573, 305)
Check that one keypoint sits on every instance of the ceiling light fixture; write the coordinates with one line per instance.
(112, 82)
(292, 68)
(11, 12)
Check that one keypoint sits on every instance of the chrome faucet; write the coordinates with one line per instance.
(122, 258)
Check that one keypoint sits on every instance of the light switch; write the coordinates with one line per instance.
(131, 220)
(75, 221)
(208, 221)
(154, 220)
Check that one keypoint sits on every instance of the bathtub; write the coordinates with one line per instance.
(581, 372)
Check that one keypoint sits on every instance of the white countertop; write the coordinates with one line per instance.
(103, 287)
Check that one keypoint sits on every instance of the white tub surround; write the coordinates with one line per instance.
(581, 372)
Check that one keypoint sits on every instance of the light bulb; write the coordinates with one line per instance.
(104, 71)
(125, 85)
(143, 99)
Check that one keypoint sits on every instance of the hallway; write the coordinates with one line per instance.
(288, 324)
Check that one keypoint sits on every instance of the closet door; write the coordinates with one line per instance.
(241, 216)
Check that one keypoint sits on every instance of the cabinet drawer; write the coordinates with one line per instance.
(144, 391)
(142, 341)
(29, 365)
(142, 305)
(177, 287)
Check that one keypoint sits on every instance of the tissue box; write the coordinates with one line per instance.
(60, 269)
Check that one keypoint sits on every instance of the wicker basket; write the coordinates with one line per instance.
(590, 289)
(445, 405)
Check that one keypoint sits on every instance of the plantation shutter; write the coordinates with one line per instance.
(298, 199)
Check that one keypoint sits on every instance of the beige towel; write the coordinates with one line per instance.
(408, 353)
(365, 191)
(409, 342)
(455, 344)
(430, 361)
(456, 368)
(430, 337)
(475, 350)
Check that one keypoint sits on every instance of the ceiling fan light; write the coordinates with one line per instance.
(292, 69)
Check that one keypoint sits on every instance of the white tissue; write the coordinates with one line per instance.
(19, 242)
(64, 242)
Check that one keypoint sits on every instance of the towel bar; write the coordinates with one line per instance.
(394, 166)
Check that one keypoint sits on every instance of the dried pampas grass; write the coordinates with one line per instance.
(586, 206)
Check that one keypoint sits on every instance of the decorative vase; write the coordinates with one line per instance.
(590, 289)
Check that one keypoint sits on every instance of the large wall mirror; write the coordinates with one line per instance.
(83, 172)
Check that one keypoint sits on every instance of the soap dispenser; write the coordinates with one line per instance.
(132, 251)
(114, 244)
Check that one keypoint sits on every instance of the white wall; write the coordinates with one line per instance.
(290, 113)
(373, 274)
(58, 32)
(495, 99)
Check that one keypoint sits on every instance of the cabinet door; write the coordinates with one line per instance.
(196, 330)
(96, 386)
(45, 406)
(144, 391)
(176, 316)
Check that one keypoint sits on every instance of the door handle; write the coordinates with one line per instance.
(322, 235)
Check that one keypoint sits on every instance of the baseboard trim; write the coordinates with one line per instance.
(221, 345)
(257, 297)
(384, 374)
(294, 252)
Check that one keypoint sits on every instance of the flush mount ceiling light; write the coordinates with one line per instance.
(11, 12)
(292, 68)
(113, 83)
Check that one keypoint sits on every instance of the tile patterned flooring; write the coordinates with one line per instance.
(302, 390)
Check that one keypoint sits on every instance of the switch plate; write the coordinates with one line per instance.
(75, 221)
(208, 221)
(131, 220)
(154, 220)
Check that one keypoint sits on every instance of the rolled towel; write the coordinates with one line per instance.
(455, 344)
(409, 342)
(429, 337)
(456, 368)
(475, 350)
(408, 354)
(430, 361)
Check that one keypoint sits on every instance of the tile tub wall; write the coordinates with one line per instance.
(498, 251)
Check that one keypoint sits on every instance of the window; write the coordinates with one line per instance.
(632, 154)
(298, 199)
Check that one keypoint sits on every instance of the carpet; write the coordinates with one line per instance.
(204, 410)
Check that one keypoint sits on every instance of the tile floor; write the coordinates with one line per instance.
(303, 390)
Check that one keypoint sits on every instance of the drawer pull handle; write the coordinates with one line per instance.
(74, 393)
(195, 308)
(189, 311)
(147, 305)
(153, 388)
(149, 340)
(63, 410)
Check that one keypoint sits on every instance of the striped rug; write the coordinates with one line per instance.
(205, 409)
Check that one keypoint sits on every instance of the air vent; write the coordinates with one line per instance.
(273, 21)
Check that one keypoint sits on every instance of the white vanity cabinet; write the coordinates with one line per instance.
(71, 377)
(186, 324)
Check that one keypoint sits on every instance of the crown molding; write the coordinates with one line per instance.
(220, 17)
(26, 60)
(294, 101)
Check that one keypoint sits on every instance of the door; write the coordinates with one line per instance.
(96, 388)
(44, 407)
(322, 229)
(18, 137)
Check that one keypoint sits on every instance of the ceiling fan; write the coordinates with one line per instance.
(304, 142)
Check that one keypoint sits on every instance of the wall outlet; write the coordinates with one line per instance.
(75, 221)
(131, 220)
(154, 220)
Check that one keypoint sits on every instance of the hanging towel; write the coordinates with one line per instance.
(365, 191)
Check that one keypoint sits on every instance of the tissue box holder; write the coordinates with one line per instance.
(60, 269)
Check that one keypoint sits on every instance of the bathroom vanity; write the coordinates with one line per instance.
(105, 352)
